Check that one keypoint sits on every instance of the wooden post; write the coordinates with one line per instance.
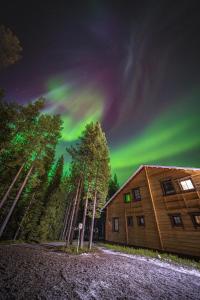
(107, 226)
(154, 209)
(11, 186)
(15, 202)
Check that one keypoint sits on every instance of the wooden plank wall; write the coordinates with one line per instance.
(186, 239)
(140, 236)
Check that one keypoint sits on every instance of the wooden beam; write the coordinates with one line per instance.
(154, 209)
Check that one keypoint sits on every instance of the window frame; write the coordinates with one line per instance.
(124, 196)
(133, 194)
(129, 224)
(171, 216)
(192, 215)
(113, 224)
(188, 190)
(139, 220)
(164, 190)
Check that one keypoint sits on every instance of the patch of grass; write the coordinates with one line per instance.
(72, 250)
(166, 257)
(10, 242)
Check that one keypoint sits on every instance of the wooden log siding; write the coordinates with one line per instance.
(158, 232)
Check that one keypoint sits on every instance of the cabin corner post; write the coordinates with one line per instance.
(154, 209)
(106, 225)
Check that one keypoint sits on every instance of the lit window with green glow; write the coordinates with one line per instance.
(127, 197)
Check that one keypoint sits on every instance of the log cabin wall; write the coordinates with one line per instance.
(137, 235)
(158, 210)
(184, 238)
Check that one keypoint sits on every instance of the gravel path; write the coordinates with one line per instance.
(37, 272)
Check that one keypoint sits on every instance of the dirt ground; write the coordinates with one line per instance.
(37, 272)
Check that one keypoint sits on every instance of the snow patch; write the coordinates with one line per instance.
(155, 262)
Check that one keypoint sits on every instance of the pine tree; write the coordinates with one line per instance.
(113, 186)
(51, 203)
(91, 156)
(33, 139)
(10, 47)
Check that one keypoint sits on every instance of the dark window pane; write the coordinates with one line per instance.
(176, 220)
(129, 221)
(140, 220)
(136, 194)
(168, 187)
(195, 218)
(115, 224)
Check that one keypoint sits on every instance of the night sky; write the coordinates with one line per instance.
(133, 65)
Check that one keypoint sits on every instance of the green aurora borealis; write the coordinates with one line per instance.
(132, 65)
(167, 140)
(77, 106)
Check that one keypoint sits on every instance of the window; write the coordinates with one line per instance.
(168, 187)
(136, 194)
(176, 220)
(130, 221)
(187, 185)
(140, 221)
(115, 223)
(127, 197)
(195, 219)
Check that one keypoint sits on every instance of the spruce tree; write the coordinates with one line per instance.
(91, 156)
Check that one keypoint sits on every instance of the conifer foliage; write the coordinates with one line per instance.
(37, 202)
(27, 151)
(90, 158)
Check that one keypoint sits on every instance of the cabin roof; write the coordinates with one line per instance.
(139, 169)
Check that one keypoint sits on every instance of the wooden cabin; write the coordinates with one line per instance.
(159, 208)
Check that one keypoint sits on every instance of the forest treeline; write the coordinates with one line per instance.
(38, 201)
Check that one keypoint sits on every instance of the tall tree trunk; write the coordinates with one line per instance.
(11, 186)
(24, 217)
(92, 221)
(66, 219)
(15, 201)
(72, 215)
(68, 222)
(76, 212)
(84, 218)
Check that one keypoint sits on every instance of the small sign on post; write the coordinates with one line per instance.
(80, 227)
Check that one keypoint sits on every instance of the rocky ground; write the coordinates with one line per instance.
(37, 272)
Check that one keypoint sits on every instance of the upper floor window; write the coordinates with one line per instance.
(187, 184)
(195, 218)
(176, 220)
(168, 187)
(115, 224)
(129, 221)
(136, 194)
(127, 197)
(140, 221)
